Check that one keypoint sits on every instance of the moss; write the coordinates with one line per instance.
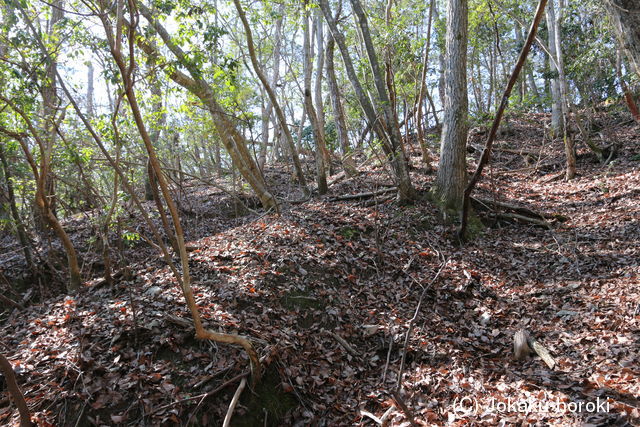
(475, 227)
(451, 215)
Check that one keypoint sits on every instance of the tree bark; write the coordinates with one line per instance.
(452, 173)
(426, 157)
(556, 97)
(338, 111)
(388, 133)
(569, 144)
(23, 238)
(318, 131)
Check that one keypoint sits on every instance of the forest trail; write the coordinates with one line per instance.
(326, 292)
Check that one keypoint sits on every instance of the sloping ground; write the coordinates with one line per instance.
(327, 291)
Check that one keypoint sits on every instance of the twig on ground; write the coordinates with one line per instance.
(382, 420)
(11, 302)
(234, 402)
(201, 396)
(413, 319)
(343, 343)
(405, 409)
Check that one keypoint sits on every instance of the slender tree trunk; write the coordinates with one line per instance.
(50, 105)
(569, 143)
(23, 238)
(389, 132)
(398, 160)
(556, 96)
(628, 94)
(318, 131)
(268, 109)
(185, 281)
(426, 157)
(90, 90)
(21, 232)
(234, 141)
(318, 99)
(452, 172)
(338, 111)
(272, 98)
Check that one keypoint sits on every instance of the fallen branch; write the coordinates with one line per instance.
(11, 302)
(15, 392)
(405, 409)
(366, 195)
(525, 219)
(517, 208)
(412, 322)
(343, 343)
(524, 344)
(234, 402)
(380, 421)
(201, 396)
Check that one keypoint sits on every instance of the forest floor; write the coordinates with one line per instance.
(327, 290)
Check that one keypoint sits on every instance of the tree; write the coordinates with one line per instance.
(273, 100)
(452, 172)
(233, 140)
(312, 111)
(625, 15)
(380, 117)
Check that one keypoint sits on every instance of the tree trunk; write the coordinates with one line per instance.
(338, 111)
(318, 100)
(273, 100)
(125, 68)
(233, 140)
(90, 90)
(23, 238)
(556, 97)
(396, 152)
(452, 173)
(569, 144)
(388, 131)
(318, 131)
(625, 15)
(426, 157)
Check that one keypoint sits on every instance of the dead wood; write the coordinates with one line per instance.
(234, 402)
(11, 302)
(525, 219)
(524, 344)
(343, 343)
(366, 195)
